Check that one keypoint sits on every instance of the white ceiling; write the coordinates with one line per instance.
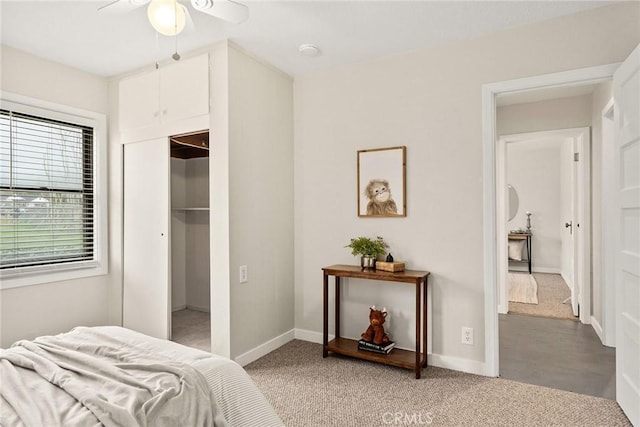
(76, 34)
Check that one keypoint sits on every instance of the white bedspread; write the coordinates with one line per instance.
(241, 402)
(88, 377)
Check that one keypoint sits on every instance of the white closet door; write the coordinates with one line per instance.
(146, 301)
(626, 94)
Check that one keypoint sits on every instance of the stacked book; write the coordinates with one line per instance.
(376, 348)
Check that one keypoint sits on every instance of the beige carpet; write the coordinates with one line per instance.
(552, 291)
(307, 390)
(191, 328)
(522, 288)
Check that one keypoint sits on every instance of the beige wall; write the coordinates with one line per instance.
(27, 312)
(561, 113)
(533, 169)
(430, 101)
(251, 195)
(260, 201)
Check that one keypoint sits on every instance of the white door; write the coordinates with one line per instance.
(574, 207)
(626, 93)
(580, 225)
(146, 301)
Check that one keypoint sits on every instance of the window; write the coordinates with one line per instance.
(50, 221)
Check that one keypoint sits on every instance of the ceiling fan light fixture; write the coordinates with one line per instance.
(167, 17)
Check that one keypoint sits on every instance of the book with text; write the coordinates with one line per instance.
(376, 348)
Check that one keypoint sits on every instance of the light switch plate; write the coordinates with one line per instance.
(244, 274)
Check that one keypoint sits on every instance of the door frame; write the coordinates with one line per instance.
(489, 141)
(607, 330)
(580, 137)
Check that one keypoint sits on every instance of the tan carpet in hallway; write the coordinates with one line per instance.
(307, 390)
(552, 291)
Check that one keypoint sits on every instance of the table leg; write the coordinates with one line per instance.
(424, 320)
(337, 314)
(529, 250)
(325, 315)
(418, 337)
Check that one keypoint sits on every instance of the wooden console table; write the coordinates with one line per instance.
(414, 360)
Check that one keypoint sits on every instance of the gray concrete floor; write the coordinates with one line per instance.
(560, 354)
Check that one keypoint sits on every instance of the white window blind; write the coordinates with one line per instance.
(46, 192)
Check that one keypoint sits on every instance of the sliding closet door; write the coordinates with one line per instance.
(146, 292)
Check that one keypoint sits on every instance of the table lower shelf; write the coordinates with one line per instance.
(398, 357)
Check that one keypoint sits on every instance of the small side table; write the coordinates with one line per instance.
(414, 360)
(527, 238)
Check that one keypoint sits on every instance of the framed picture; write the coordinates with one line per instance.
(381, 182)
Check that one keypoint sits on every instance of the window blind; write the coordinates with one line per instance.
(46, 191)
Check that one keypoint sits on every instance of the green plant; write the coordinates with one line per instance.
(368, 247)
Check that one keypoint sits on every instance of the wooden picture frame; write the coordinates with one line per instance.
(382, 182)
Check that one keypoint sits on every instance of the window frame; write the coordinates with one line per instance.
(39, 274)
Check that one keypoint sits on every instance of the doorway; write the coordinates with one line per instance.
(626, 80)
(190, 248)
(543, 212)
(490, 225)
(541, 341)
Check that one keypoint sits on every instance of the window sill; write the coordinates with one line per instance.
(12, 279)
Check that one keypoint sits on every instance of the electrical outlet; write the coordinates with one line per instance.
(467, 335)
(244, 274)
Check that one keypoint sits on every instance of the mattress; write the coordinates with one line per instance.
(236, 401)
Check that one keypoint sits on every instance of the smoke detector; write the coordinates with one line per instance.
(309, 50)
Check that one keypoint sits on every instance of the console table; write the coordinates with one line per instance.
(414, 360)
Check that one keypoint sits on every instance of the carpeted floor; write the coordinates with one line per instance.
(552, 291)
(307, 390)
(191, 328)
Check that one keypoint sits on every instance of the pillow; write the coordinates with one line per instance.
(515, 249)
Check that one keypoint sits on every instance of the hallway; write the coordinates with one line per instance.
(560, 354)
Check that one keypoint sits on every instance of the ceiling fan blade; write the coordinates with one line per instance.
(227, 10)
(121, 6)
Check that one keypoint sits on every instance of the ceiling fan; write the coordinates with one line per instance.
(169, 17)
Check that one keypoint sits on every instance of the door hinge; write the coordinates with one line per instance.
(576, 157)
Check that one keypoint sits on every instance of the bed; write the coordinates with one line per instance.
(113, 376)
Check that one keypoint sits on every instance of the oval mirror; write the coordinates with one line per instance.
(513, 202)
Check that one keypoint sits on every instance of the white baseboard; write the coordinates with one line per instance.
(534, 269)
(310, 336)
(596, 327)
(458, 364)
(438, 360)
(196, 308)
(263, 349)
(551, 270)
(569, 284)
(179, 307)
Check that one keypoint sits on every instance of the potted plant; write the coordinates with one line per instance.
(368, 249)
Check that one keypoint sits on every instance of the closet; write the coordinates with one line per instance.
(166, 232)
(190, 273)
(165, 194)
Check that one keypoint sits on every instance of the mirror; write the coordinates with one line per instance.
(513, 202)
